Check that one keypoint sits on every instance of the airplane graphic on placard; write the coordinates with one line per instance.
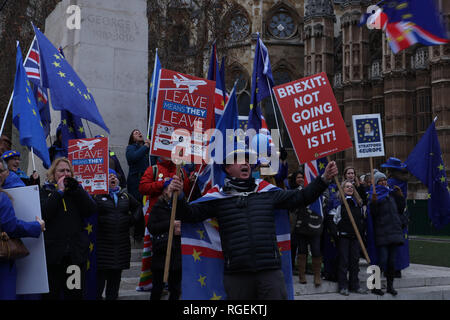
(87, 144)
(191, 84)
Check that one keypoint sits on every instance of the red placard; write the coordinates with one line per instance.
(312, 117)
(90, 161)
(186, 103)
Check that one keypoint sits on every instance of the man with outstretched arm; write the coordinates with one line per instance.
(245, 214)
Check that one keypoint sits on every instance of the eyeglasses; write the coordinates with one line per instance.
(349, 187)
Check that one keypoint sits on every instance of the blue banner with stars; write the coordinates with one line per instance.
(26, 116)
(67, 91)
(426, 164)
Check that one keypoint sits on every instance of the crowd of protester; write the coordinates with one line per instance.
(327, 235)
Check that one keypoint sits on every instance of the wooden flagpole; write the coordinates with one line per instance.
(171, 226)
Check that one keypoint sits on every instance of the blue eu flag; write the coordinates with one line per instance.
(214, 173)
(67, 90)
(262, 83)
(71, 125)
(26, 116)
(425, 162)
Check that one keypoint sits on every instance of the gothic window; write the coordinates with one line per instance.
(180, 40)
(423, 110)
(237, 73)
(243, 101)
(282, 25)
(239, 27)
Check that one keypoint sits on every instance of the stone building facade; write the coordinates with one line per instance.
(309, 36)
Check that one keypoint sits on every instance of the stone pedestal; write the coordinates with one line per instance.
(110, 54)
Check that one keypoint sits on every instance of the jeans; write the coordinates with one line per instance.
(386, 259)
(348, 249)
(261, 285)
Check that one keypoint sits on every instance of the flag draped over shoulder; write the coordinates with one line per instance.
(26, 116)
(67, 91)
(202, 256)
(426, 164)
(408, 22)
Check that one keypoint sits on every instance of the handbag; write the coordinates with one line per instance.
(11, 249)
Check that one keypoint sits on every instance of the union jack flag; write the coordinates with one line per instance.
(32, 64)
(33, 70)
(314, 169)
(214, 74)
(202, 256)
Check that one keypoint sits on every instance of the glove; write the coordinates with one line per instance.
(70, 184)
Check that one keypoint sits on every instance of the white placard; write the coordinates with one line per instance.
(368, 134)
(31, 270)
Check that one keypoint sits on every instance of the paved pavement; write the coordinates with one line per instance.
(418, 282)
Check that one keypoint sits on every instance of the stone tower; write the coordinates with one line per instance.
(355, 71)
(319, 37)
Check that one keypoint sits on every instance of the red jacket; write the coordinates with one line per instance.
(153, 186)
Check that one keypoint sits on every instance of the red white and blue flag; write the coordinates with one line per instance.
(314, 169)
(214, 74)
(408, 22)
(33, 70)
(202, 257)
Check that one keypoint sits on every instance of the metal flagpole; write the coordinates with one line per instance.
(12, 93)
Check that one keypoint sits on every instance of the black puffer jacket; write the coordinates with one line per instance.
(387, 219)
(247, 224)
(63, 215)
(344, 225)
(113, 230)
(158, 225)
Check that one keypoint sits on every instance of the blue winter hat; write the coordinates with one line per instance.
(10, 153)
(111, 171)
(166, 183)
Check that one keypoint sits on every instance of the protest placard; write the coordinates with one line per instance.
(184, 104)
(90, 161)
(31, 270)
(368, 135)
(312, 117)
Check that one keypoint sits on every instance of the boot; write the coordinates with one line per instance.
(390, 286)
(301, 268)
(317, 266)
